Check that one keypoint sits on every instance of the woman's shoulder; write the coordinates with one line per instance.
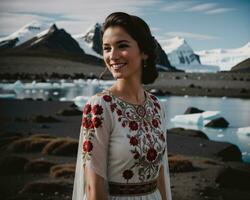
(152, 96)
(100, 97)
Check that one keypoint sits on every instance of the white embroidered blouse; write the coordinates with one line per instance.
(124, 143)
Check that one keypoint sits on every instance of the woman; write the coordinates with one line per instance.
(122, 151)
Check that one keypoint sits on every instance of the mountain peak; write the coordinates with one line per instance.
(53, 28)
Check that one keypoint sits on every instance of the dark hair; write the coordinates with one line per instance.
(140, 32)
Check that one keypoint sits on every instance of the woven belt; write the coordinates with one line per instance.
(120, 189)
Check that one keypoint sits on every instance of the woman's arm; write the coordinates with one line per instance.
(94, 187)
(161, 183)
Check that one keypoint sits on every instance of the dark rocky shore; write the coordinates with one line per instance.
(38, 144)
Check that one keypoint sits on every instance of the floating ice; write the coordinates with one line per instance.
(244, 130)
(220, 135)
(244, 133)
(79, 101)
(196, 118)
(7, 96)
(188, 119)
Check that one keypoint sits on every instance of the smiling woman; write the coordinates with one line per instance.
(122, 152)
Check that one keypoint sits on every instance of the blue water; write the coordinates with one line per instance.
(236, 111)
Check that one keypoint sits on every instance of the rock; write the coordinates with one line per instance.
(29, 144)
(218, 123)
(188, 132)
(12, 164)
(38, 166)
(69, 112)
(10, 134)
(179, 164)
(63, 170)
(233, 178)
(50, 187)
(192, 110)
(62, 146)
(44, 119)
(230, 153)
(43, 136)
(6, 141)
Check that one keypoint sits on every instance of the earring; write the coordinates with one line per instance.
(144, 63)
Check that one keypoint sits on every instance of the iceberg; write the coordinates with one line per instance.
(196, 118)
(79, 101)
(188, 119)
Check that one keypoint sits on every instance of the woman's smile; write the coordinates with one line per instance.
(118, 66)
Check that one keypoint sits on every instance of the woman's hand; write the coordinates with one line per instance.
(94, 186)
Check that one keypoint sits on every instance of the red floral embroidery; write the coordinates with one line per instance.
(151, 154)
(146, 138)
(153, 97)
(107, 98)
(97, 110)
(113, 106)
(155, 123)
(87, 109)
(133, 141)
(92, 118)
(137, 155)
(157, 105)
(119, 112)
(128, 174)
(97, 122)
(87, 146)
(87, 123)
(133, 125)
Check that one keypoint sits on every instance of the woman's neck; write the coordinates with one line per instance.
(131, 91)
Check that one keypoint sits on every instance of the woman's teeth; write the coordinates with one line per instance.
(118, 66)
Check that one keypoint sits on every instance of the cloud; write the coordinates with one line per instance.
(203, 7)
(71, 13)
(11, 22)
(177, 6)
(194, 36)
(194, 6)
(219, 10)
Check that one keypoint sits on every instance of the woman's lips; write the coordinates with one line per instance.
(118, 65)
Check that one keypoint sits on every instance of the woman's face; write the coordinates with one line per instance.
(121, 54)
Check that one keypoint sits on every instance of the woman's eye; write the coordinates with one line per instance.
(106, 48)
(123, 46)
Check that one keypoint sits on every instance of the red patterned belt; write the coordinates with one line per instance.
(127, 189)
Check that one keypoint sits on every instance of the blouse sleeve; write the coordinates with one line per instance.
(165, 161)
(93, 143)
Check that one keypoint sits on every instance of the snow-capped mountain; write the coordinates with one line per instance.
(90, 40)
(179, 52)
(52, 40)
(26, 33)
(182, 56)
(225, 58)
(41, 38)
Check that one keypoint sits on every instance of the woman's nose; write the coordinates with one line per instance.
(114, 54)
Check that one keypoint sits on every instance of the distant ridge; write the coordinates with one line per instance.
(225, 58)
(243, 66)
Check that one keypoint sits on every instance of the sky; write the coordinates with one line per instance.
(204, 24)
